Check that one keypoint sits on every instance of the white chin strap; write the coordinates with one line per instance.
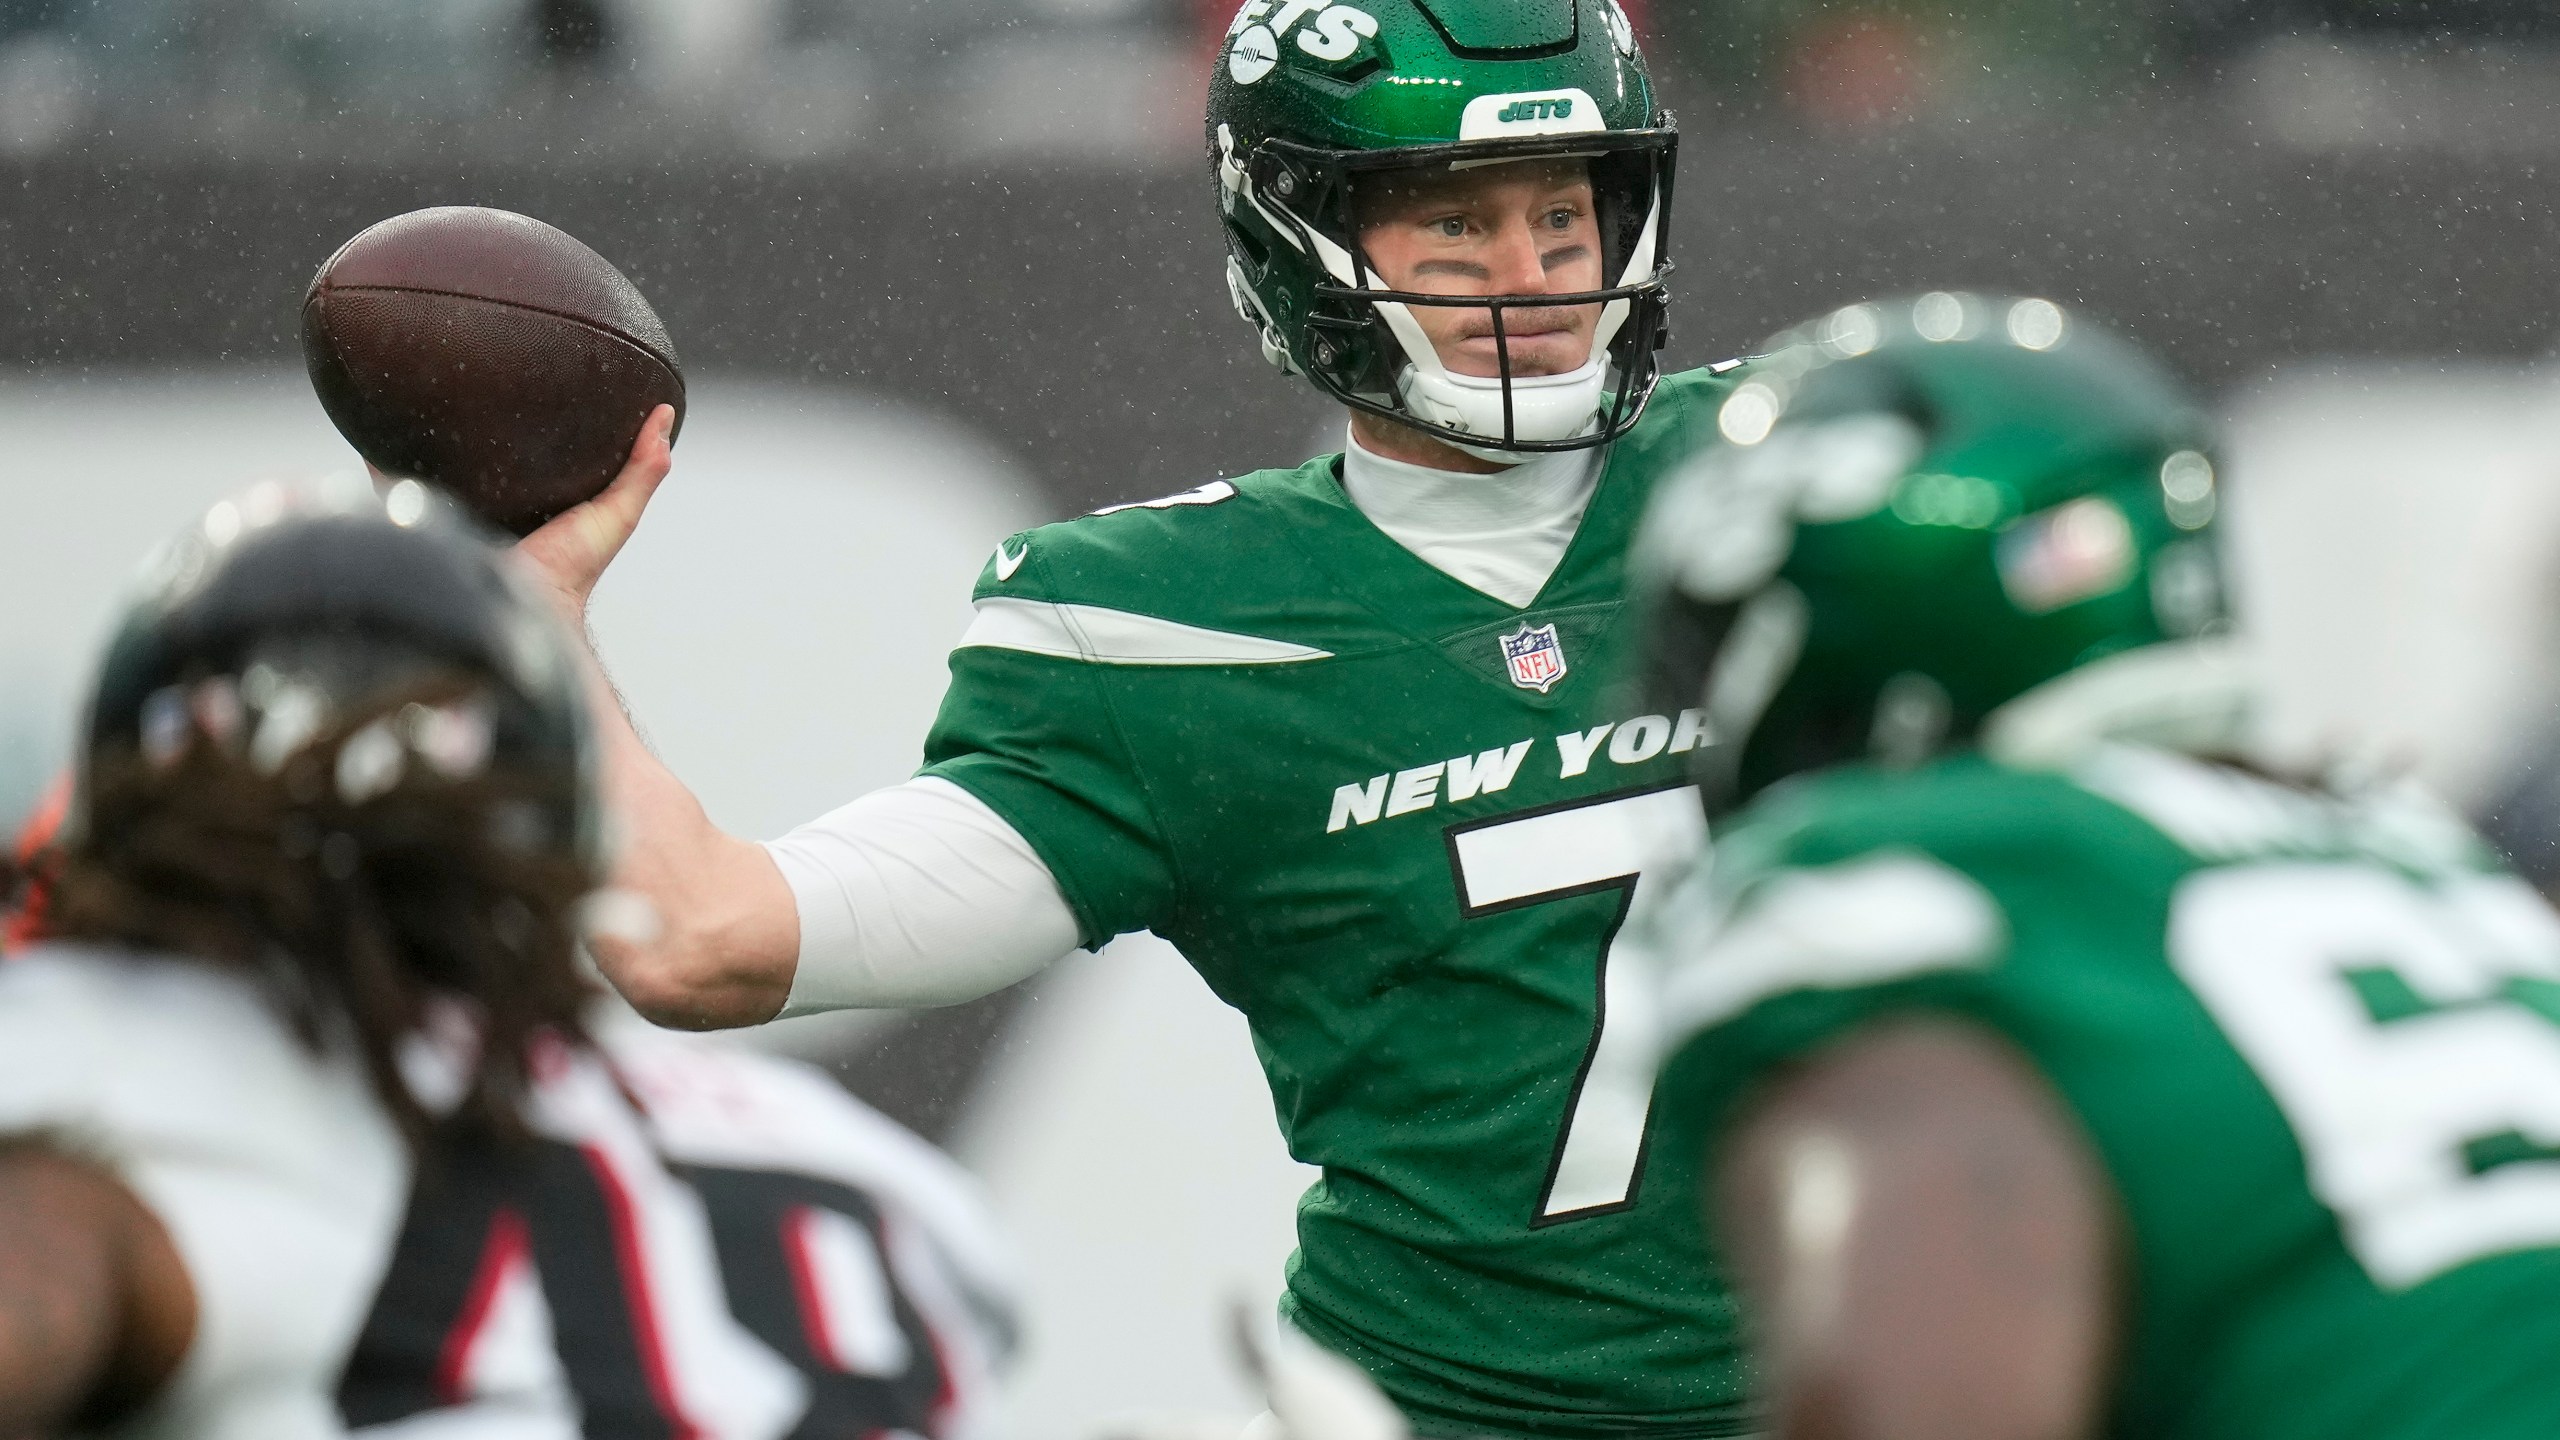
(1543, 407)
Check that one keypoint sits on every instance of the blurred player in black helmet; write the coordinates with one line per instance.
(309, 1123)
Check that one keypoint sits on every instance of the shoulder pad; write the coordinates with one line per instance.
(1191, 577)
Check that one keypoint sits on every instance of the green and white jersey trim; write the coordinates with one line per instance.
(1104, 636)
(1879, 918)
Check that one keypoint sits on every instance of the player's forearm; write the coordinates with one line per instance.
(1923, 1241)
(922, 896)
(726, 937)
(723, 940)
(63, 1296)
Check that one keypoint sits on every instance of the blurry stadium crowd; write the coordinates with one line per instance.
(774, 78)
(800, 79)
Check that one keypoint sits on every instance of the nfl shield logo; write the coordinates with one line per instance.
(1535, 657)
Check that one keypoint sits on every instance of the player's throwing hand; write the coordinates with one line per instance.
(569, 554)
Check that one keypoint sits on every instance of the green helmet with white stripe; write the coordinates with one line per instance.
(1919, 512)
(1312, 99)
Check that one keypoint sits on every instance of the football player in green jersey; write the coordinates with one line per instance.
(2056, 1071)
(1345, 733)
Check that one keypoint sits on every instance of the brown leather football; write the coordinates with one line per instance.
(489, 355)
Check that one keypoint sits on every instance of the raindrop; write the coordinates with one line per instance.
(1940, 317)
(1749, 414)
(1852, 332)
(406, 504)
(2036, 324)
(2186, 483)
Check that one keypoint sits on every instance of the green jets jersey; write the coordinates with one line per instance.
(1398, 824)
(2314, 1042)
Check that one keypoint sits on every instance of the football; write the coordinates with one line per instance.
(489, 355)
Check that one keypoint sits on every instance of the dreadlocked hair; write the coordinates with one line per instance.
(19, 877)
(356, 917)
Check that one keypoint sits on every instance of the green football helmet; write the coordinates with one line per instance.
(1312, 98)
(1919, 511)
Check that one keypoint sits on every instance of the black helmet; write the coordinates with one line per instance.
(338, 745)
(339, 643)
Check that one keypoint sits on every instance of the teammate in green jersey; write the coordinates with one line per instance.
(1344, 733)
(2056, 1071)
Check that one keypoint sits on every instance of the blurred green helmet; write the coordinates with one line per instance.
(1312, 98)
(1919, 511)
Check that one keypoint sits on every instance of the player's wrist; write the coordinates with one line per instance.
(568, 602)
(551, 566)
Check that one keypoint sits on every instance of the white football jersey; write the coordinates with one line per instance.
(700, 1243)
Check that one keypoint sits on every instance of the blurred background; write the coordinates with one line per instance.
(943, 268)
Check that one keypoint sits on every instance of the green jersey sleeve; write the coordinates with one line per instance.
(1037, 738)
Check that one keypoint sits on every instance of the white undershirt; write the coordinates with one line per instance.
(1502, 534)
(917, 895)
(922, 895)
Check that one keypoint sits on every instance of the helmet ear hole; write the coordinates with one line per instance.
(1347, 350)
(1249, 249)
(1275, 349)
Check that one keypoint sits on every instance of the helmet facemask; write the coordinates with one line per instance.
(1360, 339)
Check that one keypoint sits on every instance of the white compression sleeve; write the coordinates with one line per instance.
(917, 895)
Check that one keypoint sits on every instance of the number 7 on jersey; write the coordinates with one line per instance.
(1590, 848)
